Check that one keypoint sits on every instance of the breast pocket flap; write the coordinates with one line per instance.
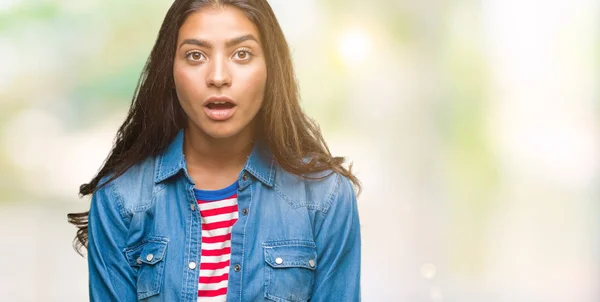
(284, 256)
(150, 251)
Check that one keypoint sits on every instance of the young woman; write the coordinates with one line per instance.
(218, 186)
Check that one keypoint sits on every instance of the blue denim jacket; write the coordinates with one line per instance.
(145, 235)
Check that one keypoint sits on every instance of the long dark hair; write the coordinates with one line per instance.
(155, 116)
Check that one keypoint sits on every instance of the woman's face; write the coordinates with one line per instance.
(220, 71)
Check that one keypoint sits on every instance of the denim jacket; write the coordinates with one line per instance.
(145, 231)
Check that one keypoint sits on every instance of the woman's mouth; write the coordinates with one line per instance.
(219, 109)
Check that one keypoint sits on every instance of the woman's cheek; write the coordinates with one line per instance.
(188, 85)
(255, 81)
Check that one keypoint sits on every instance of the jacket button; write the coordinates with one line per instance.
(245, 177)
(279, 261)
(237, 267)
(192, 207)
(149, 257)
(311, 263)
(192, 265)
(245, 211)
(139, 261)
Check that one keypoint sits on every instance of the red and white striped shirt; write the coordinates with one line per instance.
(218, 211)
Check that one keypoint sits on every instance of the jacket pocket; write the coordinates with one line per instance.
(146, 258)
(289, 269)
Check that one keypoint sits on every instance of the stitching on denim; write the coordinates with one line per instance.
(164, 175)
(289, 242)
(334, 192)
(257, 174)
(159, 169)
(170, 173)
(149, 239)
(296, 264)
(277, 299)
(267, 274)
(188, 254)
(161, 269)
(119, 200)
(269, 181)
(158, 266)
(157, 189)
(270, 254)
(297, 204)
(271, 171)
(141, 208)
(244, 245)
(287, 245)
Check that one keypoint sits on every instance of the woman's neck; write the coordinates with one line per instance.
(214, 163)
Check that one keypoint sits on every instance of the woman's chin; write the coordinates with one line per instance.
(220, 131)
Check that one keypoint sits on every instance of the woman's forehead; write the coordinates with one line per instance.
(217, 25)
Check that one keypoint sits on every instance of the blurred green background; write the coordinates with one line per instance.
(474, 126)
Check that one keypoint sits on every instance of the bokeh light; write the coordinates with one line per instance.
(354, 46)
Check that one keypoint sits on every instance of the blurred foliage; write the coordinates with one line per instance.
(26, 12)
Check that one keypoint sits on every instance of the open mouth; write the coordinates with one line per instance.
(220, 105)
(219, 110)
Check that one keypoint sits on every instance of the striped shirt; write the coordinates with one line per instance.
(218, 211)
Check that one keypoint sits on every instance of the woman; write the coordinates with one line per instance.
(218, 186)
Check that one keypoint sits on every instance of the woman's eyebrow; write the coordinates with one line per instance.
(229, 43)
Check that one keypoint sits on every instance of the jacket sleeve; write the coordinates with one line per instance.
(338, 249)
(111, 278)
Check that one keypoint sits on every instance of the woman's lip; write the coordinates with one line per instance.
(217, 99)
(220, 114)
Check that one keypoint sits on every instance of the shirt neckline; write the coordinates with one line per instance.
(213, 195)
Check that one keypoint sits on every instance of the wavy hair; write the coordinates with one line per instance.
(155, 115)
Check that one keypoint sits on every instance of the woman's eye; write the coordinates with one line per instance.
(242, 55)
(194, 55)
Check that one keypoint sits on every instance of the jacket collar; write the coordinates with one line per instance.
(260, 163)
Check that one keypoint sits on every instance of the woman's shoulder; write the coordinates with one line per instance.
(318, 190)
(134, 186)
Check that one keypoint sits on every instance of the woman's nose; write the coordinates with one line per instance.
(219, 75)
